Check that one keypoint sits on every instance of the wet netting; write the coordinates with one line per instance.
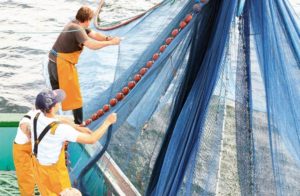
(207, 95)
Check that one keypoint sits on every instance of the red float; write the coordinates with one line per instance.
(149, 64)
(120, 96)
(113, 102)
(203, 1)
(175, 32)
(95, 117)
(143, 71)
(162, 48)
(182, 24)
(100, 113)
(155, 56)
(125, 90)
(169, 40)
(188, 18)
(106, 108)
(88, 121)
(137, 77)
(131, 84)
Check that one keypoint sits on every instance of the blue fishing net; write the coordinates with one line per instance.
(217, 112)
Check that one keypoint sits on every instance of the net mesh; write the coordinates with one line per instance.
(217, 112)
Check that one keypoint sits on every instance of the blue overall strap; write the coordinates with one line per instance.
(53, 52)
(56, 55)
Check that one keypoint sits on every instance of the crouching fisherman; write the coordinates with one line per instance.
(48, 137)
(22, 151)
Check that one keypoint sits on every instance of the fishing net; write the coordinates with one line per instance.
(216, 110)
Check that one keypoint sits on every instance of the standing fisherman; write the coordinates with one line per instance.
(64, 56)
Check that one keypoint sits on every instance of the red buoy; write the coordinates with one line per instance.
(162, 48)
(182, 24)
(169, 40)
(149, 64)
(143, 71)
(125, 90)
(95, 117)
(203, 1)
(113, 102)
(88, 121)
(131, 84)
(175, 32)
(120, 96)
(155, 56)
(106, 108)
(100, 113)
(188, 18)
(137, 77)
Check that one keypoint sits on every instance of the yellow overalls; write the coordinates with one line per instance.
(51, 179)
(68, 79)
(24, 169)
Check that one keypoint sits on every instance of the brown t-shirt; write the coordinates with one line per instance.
(71, 39)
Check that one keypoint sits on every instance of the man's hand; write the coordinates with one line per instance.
(115, 40)
(111, 119)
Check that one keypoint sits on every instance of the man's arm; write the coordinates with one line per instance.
(25, 128)
(94, 44)
(99, 36)
(96, 135)
(69, 121)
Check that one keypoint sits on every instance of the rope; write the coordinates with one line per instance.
(8, 184)
(40, 32)
(120, 23)
(91, 163)
(96, 23)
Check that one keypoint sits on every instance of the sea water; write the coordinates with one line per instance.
(28, 29)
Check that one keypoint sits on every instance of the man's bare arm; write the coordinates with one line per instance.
(96, 135)
(70, 122)
(99, 36)
(94, 44)
(25, 128)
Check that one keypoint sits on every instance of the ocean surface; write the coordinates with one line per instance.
(28, 29)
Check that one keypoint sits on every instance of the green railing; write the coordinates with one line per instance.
(8, 128)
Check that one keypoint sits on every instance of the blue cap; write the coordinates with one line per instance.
(46, 99)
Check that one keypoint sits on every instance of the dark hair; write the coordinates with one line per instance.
(84, 14)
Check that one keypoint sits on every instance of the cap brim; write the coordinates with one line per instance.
(60, 95)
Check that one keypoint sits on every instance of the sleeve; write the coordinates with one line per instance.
(81, 35)
(27, 117)
(69, 133)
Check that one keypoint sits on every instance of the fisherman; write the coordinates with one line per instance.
(64, 56)
(22, 151)
(22, 156)
(49, 135)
